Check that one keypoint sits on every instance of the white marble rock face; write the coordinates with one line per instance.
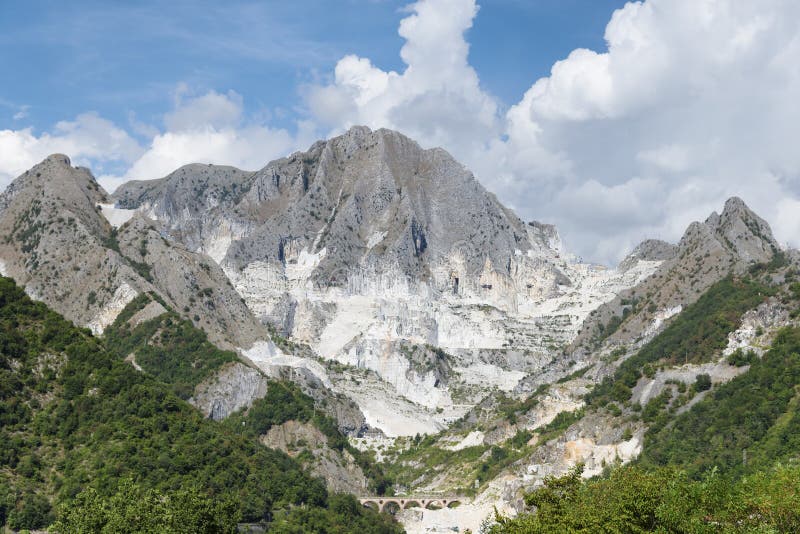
(372, 252)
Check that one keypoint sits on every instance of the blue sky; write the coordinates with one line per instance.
(118, 58)
(615, 121)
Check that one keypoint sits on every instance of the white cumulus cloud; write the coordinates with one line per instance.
(209, 128)
(694, 98)
(88, 139)
(692, 101)
(437, 99)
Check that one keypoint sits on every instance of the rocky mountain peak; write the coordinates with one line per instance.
(708, 251)
(362, 199)
(61, 244)
(745, 235)
(649, 250)
(56, 188)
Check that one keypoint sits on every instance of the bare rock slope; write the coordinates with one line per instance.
(361, 197)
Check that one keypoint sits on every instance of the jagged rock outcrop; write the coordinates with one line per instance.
(232, 388)
(56, 244)
(725, 243)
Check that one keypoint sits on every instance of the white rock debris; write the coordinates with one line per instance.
(659, 318)
(116, 217)
(366, 324)
(123, 295)
(755, 324)
(473, 439)
(269, 358)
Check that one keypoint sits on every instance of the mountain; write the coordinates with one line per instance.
(365, 253)
(371, 288)
(730, 242)
(370, 251)
(358, 199)
(362, 209)
(60, 244)
(709, 387)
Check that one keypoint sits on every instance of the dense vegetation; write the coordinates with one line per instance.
(132, 509)
(694, 336)
(75, 418)
(285, 401)
(168, 347)
(754, 418)
(135, 509)
(633, 500)
(426, 458)
(179, 354)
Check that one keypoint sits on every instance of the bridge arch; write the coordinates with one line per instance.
(392, 507)
(412, 503)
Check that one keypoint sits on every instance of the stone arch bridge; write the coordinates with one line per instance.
(427, 502)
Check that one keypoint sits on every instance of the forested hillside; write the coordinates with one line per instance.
(749, 422)
(167, 346)
(729, 464)
(76, 418)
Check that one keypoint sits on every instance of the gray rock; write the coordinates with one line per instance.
(232, 388)
(339, 469)
(365, 197)
(725, 243)
(61, 247)
(649, 250)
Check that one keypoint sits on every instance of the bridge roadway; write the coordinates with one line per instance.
(423, 501)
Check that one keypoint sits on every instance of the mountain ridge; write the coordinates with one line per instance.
(708, 251)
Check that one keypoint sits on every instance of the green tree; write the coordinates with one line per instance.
(133, 509)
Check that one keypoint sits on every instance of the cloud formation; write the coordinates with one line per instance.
(691, 102)
(437, 99)
(88, 139)
(210, 128)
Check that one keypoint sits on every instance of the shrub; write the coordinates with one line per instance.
(702, 382)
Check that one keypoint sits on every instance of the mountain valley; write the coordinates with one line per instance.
(368, 318)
